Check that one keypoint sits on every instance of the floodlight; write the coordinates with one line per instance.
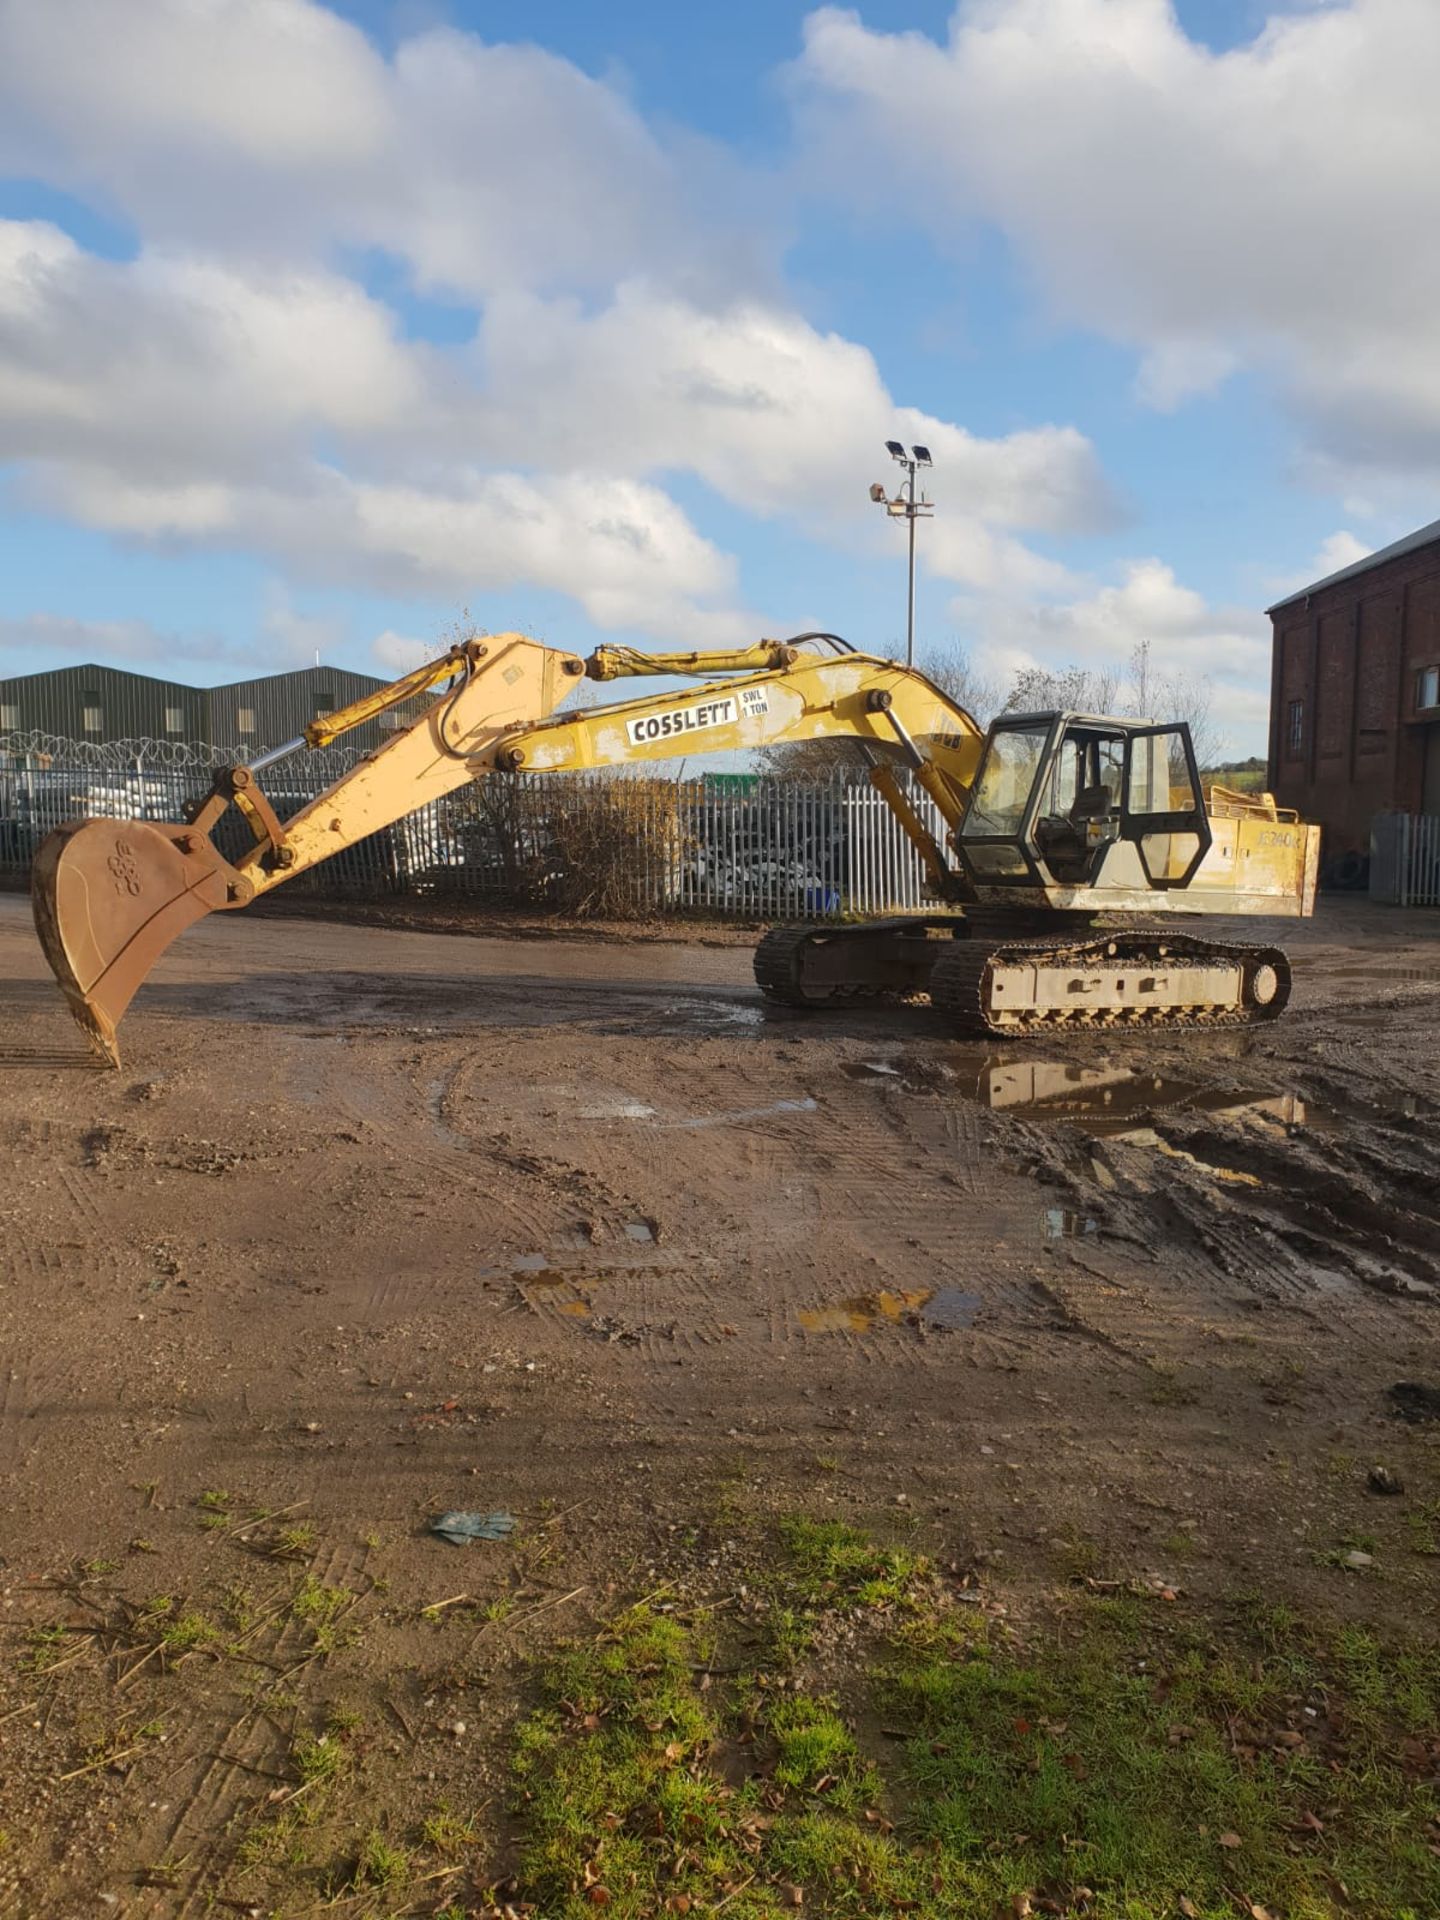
(895, 450)
(922, 456)
(877, 492)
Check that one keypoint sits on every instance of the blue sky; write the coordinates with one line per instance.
(321, 326)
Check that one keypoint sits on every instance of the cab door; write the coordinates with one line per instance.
(1163, 812)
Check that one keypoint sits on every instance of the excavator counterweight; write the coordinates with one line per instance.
(1061, 832)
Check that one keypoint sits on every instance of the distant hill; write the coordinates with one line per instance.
(1245, 776)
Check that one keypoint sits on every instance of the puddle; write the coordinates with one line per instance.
(1061, 1223)
(435, 1092)
(618, 1110)
(950, 1308)
(941, 1307)
(707, 1015)
(807, 1105)
(640, 1230)
(528, 1264)
(1103, 1100)
(864, 1311)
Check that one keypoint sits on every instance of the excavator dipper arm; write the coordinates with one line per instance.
(111, 895)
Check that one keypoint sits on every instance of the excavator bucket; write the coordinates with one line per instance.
(109, 897)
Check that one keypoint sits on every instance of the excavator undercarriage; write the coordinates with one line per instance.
(1071, 848)
(1077, 978)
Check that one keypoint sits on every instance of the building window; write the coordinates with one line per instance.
(1297, 725)
(1427, 687)
(91, 718)
(9, 716)
(174, 719)
(245, 719)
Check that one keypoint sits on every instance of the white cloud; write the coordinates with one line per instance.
(1338, 551)
(1274, 206)
(234, 386)
(397, 653)
(1190, 641)
(775, 416)
(294, 637)
(275, 126)
(184, 399)
(166, 364)
(31, 641)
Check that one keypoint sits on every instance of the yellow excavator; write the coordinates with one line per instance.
(1075, 845)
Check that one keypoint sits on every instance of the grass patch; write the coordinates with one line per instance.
(322, 1610)
(214, 1505)
(381, 1863)
(830, 1565)
(1130, 1761)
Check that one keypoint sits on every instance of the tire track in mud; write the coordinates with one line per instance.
(20, 1398)
(200, 1828)
(913, 1172)
(1249, 1215)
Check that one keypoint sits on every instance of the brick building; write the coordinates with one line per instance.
(1355, 693)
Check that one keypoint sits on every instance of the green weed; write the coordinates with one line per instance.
(1156, 1759)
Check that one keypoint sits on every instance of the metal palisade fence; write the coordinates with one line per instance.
(611, 845)
(1405, 859)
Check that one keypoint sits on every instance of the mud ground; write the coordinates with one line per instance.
(378, 1222)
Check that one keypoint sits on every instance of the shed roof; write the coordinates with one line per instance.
(1422, 537)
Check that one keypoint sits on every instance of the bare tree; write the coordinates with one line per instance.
(1068, 689)
(1139, 694)
(955, 673)
(1176, 696)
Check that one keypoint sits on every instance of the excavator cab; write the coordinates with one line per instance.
(1067, 802)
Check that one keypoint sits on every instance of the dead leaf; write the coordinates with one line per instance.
(796, 1896)
(1189, 1908)
(598, 1896)
(673, 1749)
(1231, 1840)
(1074, 1766)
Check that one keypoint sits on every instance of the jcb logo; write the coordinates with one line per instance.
(122, 864)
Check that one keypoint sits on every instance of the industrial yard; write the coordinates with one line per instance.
(377, 1222)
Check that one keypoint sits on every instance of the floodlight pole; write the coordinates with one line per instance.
(905, 503)
(910, 602)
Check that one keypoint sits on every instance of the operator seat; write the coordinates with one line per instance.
(1060, 837)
